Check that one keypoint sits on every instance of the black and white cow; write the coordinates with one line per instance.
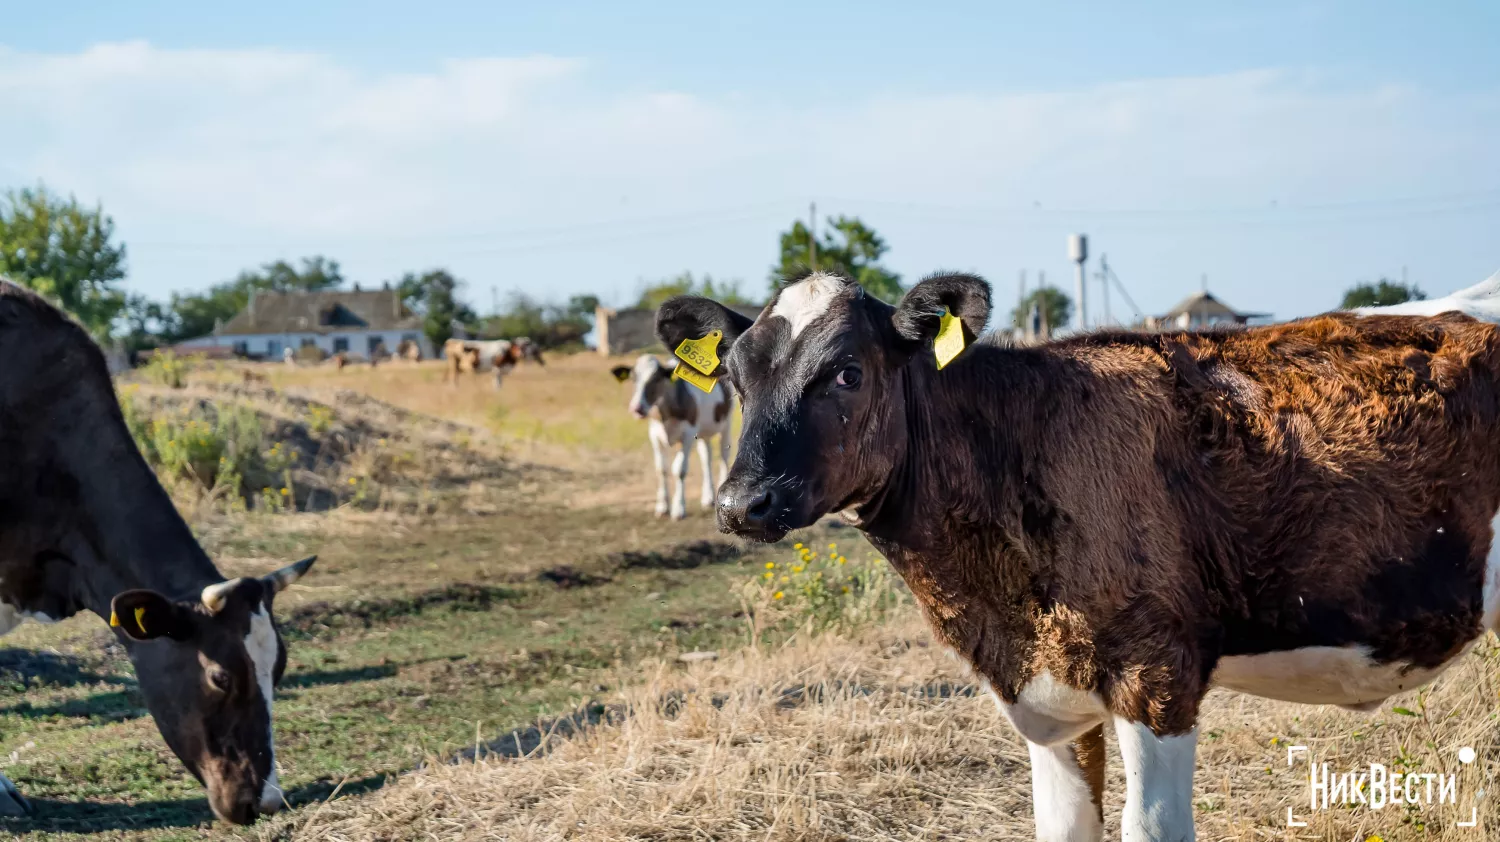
(678, 415)
(1107, 526)
(87, 527)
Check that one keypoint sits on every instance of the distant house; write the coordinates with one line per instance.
(1201, 310)
(356, 322)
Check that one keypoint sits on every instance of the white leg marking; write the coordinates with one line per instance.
(1492, 579)
(803, 302)
(11, 802)
(659, 447)
(261, 644)
(1158, 784)
(709, 487)
(679, 471)
(1061, 798)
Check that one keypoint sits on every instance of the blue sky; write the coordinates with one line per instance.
(1285, 150)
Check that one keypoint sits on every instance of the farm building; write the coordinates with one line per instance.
(1201, 310)
(356, 322)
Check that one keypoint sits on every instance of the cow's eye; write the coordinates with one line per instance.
(848, 378)
(218, 678)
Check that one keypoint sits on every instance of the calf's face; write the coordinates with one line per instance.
(650, 379)
(207, 668)
(821, 376)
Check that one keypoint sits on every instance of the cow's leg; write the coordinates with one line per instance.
(1067, 789)
(1158, 783)
(659, 449)
(679, 470)
(706, 499)
(11, 802)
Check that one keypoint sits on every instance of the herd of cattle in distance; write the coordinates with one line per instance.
(1103, 527)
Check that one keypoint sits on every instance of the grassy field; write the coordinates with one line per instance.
(503, 579)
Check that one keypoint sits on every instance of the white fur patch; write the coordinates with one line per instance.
(261, 644)
(803, 302)
(1158, 783)
(1049, 712)
(1482, 301)
(1320, 675)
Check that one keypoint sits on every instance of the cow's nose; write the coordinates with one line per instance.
(749, 511)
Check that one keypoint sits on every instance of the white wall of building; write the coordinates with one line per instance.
(271, 344)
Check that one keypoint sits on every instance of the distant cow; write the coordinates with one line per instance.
(87, 527)
(500, 356)
(340, 360)
(252, 377)
(409, 351)
(679, 414)
(1107, 526)
(288, 357)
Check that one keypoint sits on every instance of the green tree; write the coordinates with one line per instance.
(434, 296)
(145, 322)
(1380, 294)
(64, 251)
(197, 314)
(1055, 305)
(847, 247)
(583, 306)
(550, 325)
(724, 291)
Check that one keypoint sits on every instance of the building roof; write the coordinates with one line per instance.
(322, 312)
(1205, 304)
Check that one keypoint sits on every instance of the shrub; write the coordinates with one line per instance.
(166, 368)
(817, 591)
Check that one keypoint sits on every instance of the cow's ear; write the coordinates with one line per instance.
(920, 312)
(147, 615)
(621, 372)
(691, 317)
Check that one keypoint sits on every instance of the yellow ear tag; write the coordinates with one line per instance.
(682, 372)
(701, 354)
(114, 620)
(140, 618)
(950, 339)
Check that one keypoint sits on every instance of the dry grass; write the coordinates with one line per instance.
(882, 737)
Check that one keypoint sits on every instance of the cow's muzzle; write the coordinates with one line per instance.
(753, 510)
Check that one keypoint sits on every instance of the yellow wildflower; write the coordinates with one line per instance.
(777, 595)
(770, 565)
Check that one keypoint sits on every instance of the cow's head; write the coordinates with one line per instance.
(822, 378)
(530, 350)
(651, 380)
(207, 666)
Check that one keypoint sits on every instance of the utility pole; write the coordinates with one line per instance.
(1021, 306)
(1104, 283)
(812, 234)
(494, 300)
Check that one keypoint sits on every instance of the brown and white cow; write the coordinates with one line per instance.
(87, 527)
(679, 414)
(1106, 526)
(500, 356)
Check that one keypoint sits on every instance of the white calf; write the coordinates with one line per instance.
(679, 414)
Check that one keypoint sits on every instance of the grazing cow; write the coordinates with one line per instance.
(1105, 526)
(409, 350)
(288, 357)
(87, 527)
(340, 360)
(469, 356)
(680, 414)
(252, 377)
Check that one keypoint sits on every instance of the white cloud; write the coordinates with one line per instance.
(278, 153)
